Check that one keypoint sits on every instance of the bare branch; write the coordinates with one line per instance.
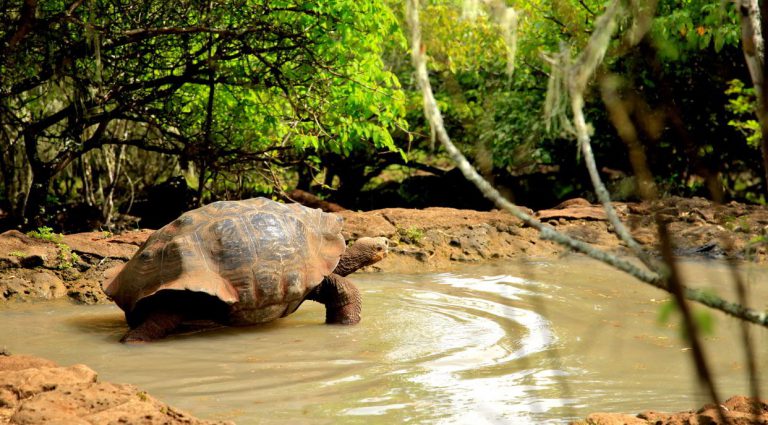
(434, 116)
(578, 77)
(436, 121)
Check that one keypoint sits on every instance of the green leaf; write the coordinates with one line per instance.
(665, 311)
(719, 41)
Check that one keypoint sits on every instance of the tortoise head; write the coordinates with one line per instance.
(372, 249)
(364, 252)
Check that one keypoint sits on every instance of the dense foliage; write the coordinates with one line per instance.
(229, 87)
(101, 100)
(674, 81)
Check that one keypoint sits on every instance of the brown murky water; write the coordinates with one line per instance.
(539, 342)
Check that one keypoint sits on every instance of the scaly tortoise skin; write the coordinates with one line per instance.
(240, 263)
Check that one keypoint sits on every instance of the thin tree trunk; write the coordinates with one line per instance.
(35, 201)
(34, 209)
(113, 160)
(753, 17)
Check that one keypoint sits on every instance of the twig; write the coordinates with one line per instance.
(579, 74)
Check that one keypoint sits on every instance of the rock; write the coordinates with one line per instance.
(370, 224)
(578, 213)
(20, 250)
(48, 284)
(100, 245)
(87, 291)
(98, 403)
(20, 362)
(37, 391)
(32, 268)
(30, 284)
(573, 209)
(30, 381)
(738, 410)
(442, 218)
(134, 237)
(428, 239)
(14, 287)
(613, 419)
(572, 203)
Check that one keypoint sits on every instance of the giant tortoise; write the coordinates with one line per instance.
(240, 263)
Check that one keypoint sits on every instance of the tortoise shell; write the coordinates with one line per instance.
(258, 256)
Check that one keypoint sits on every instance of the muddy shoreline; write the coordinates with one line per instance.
(74, 266)
(433, 239)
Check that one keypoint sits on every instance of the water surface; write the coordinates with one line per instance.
(533, 342)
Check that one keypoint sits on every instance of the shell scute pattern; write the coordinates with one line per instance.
(266, 289)
(172, 260)
(184, 220)
(269, 234)
(257, 255)
(293, 284)
(227, 244)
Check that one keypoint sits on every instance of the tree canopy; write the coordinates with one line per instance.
(227, 86)
(101, 99)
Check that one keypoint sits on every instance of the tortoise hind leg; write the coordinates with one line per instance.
(156, 325)
(341, 298)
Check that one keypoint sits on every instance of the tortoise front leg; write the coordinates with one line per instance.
(341, 298)
(157, 325)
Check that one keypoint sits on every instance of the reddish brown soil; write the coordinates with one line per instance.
(737, 410)
(37, 391)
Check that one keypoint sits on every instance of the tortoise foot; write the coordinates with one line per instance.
(134, 338)
(157, 325)
(343, 315)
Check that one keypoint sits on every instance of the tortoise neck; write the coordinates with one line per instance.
(354, 258)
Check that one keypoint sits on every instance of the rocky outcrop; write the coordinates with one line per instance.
(737, 410)
(37, 391)
(53, 266)
(438, 238)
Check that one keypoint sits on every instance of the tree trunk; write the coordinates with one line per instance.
(753, 17)
(34, 209)
(16, 175)
(112, 160)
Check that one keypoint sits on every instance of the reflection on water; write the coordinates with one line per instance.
(518, 343)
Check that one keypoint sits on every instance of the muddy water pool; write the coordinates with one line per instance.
(515, 343)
